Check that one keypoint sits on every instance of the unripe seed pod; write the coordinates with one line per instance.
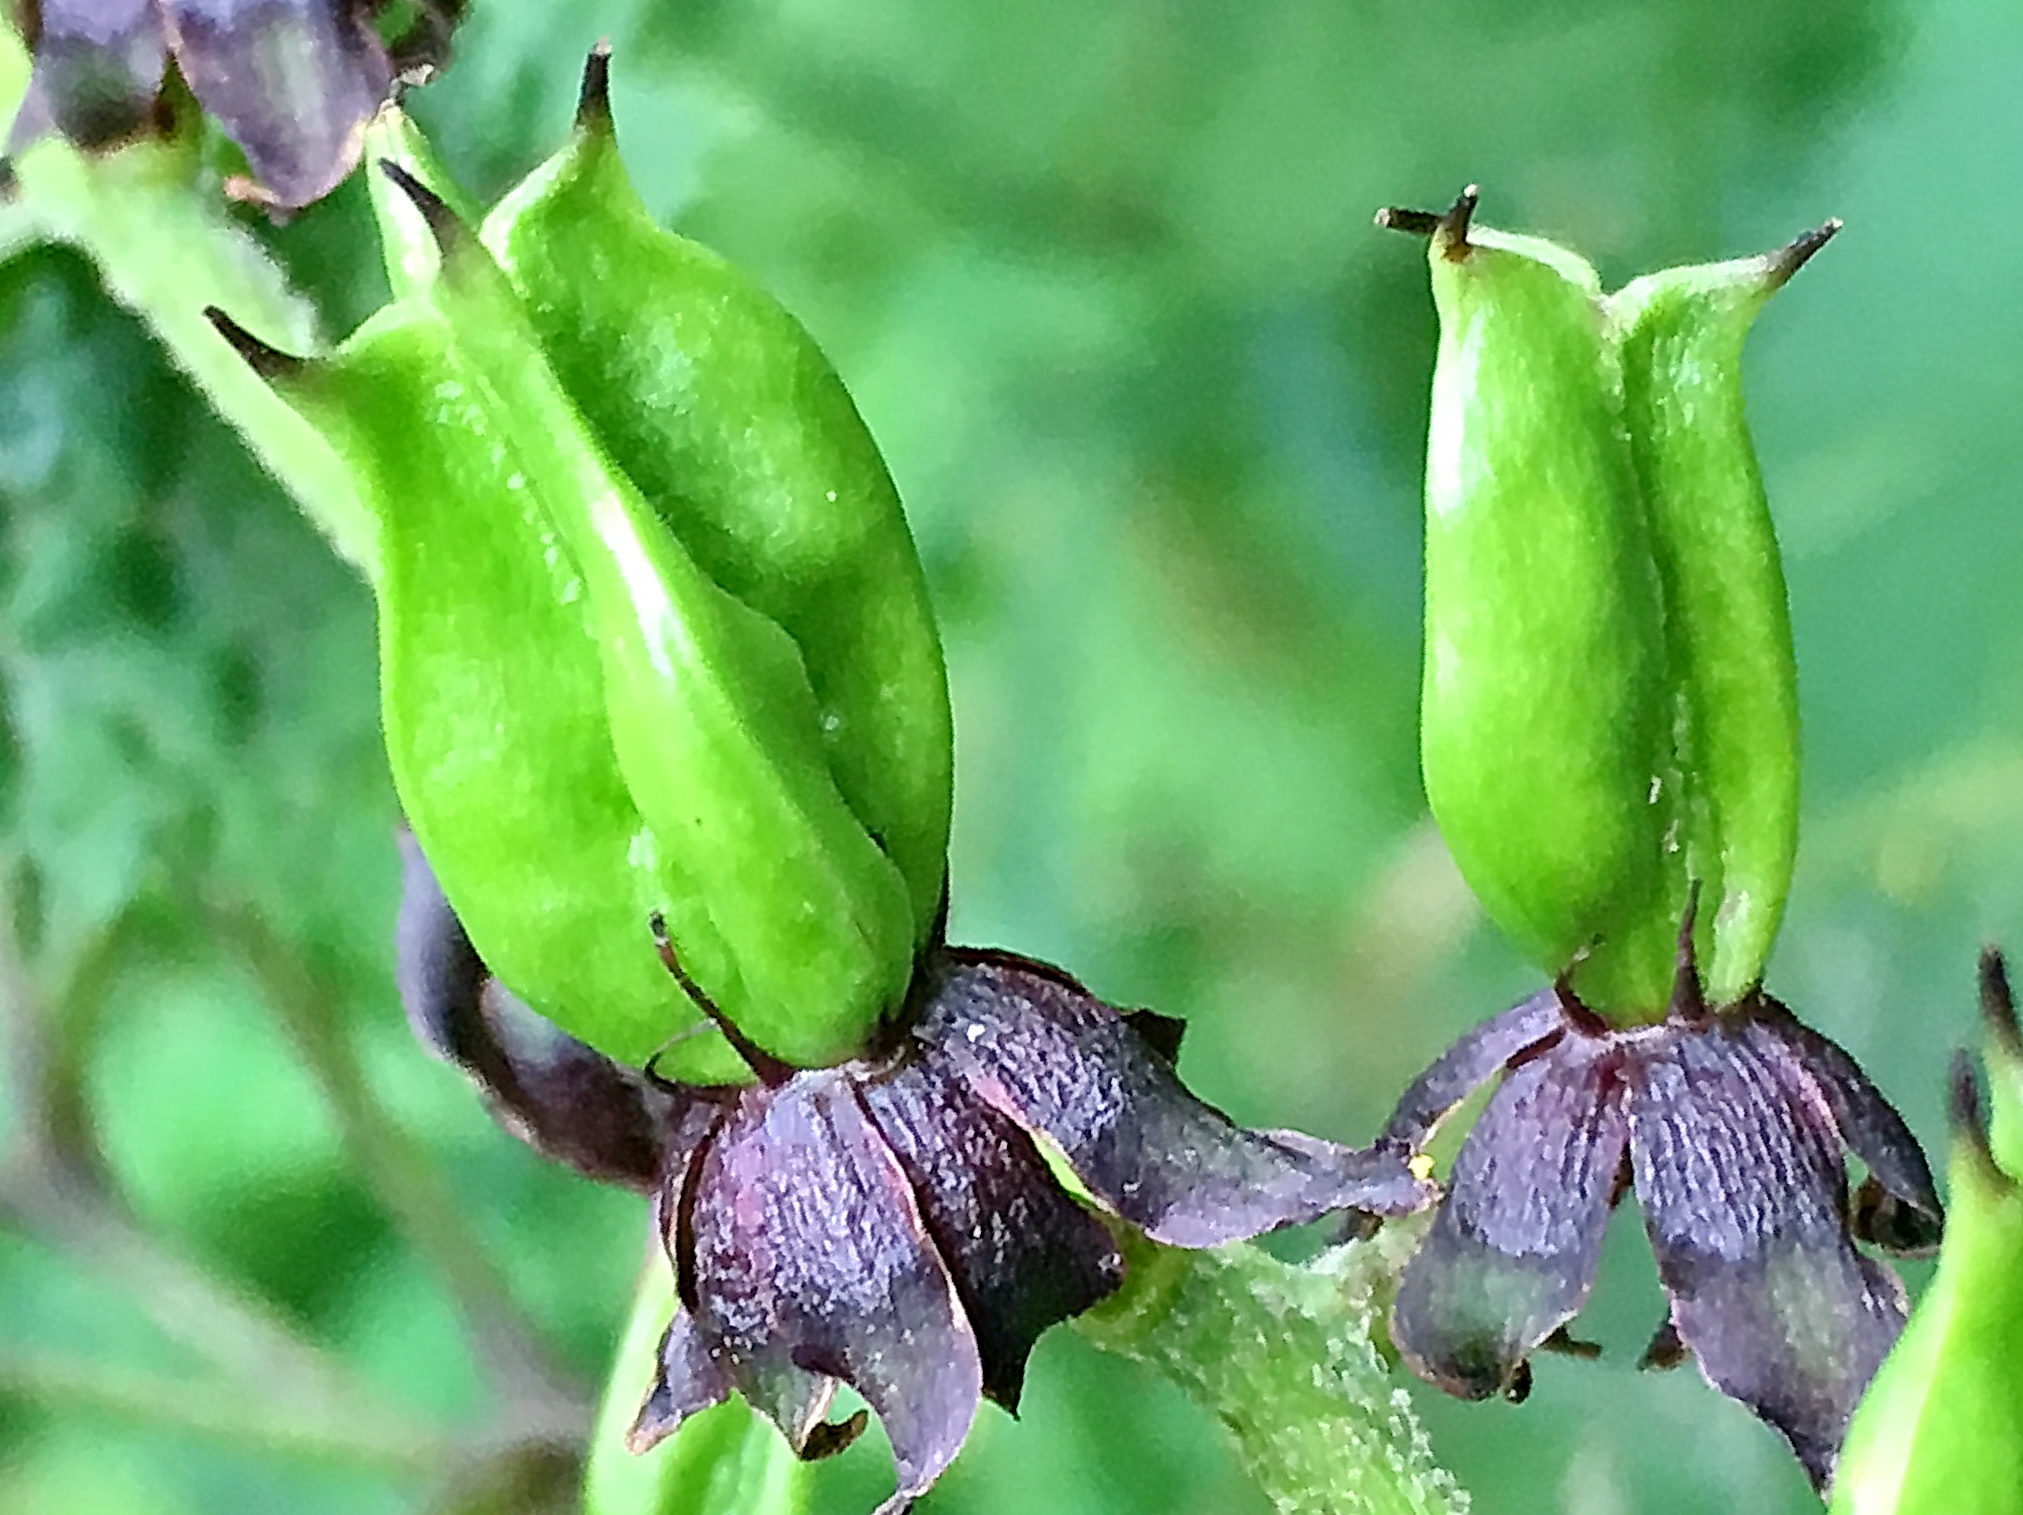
(1542, 712)
(491, 691)
(587, 732)
(719, 406)
(1680, 333)
(797, 924)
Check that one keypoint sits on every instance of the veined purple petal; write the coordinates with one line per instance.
(293, 81)
(568, 1102)
(1066, 1067)
(806, 1249)
(98, 68)
(1911, 1219)
(1024, 1256)
(1739, 1174)
(1511, 1255)
(1471, 1062)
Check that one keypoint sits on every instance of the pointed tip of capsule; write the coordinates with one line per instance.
(443, 224)
(1451, 234)
(1969, 1118)
(270, 363)
(1998, 1004)
(1416, 223)
(593, 102)
(1449, 228)
(1795, 254)
(1963, 1098)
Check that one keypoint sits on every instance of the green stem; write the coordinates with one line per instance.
(165, 250)
(407, 1187)
(245, 1416)
(1282, 1355)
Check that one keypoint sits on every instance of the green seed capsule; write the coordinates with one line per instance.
(716, 402)
(1940, 1431)
(1542, 717)
(585, 729)
(492, 692)
(809, 935)
(1680, 334)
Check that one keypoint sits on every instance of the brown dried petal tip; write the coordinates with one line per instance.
(1451, 235)
(1998, 1005)
(593, 101)
(1798, 252)
(1415, 223)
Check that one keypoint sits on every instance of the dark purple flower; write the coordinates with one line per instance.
(1729, 1123)
(293, 82)
(889, 1223)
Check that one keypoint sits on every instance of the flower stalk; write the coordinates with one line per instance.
(1282, 1354)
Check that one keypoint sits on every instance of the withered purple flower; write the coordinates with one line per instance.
(890, 1223)
(293, 82)
(1729, 1123)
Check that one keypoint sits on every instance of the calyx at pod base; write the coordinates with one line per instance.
(1730, 1123)
(889, 1223)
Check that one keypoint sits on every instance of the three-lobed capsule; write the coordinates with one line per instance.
(655, 644)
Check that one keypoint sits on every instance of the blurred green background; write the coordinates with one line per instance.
(1103, 281)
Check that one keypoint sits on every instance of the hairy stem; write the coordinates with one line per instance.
(1282, 1355)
